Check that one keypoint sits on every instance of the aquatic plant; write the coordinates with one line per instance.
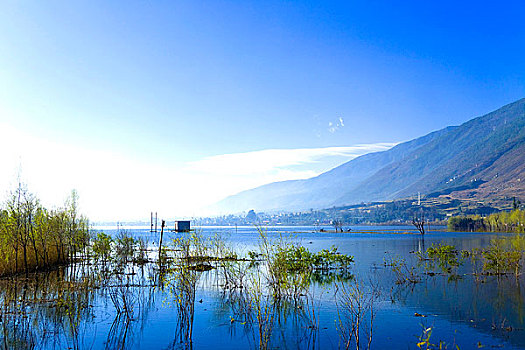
(403, 273)
(34, 238)
(290, 265)
(425, 343)
(124, 246)
(191, 251)
(141, 257)
(264, 308)
(424, 339)
(504, 256)
(234, 273)
(444, 256)
(101, 246)
(47, 309)
(356, 312)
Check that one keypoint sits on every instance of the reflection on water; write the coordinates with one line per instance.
(126, 305)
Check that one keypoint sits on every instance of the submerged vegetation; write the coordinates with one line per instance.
(270, 293)
(35, 238)
(261, 288)
(445, 257)
(513, 221)
(356, 314)
(504, 255)
(292, 267)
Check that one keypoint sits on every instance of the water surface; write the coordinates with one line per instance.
(64, 311)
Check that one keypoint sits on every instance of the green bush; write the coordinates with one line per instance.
(297, 258)
(446, 257)
(124, 245)
(504, 256)
(102, 246)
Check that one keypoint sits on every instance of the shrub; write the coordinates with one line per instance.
(102, 246)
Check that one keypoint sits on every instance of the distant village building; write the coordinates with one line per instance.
(252, 217)
(182, 226)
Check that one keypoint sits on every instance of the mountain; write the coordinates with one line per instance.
(483, 158)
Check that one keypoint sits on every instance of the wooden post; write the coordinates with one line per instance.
(155, 222)
(160, 242)
(151, 223)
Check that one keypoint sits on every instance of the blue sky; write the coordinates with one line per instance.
(166, 84)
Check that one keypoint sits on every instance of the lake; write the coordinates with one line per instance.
(138, 307)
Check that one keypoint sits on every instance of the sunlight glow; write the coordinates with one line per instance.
(114, 186)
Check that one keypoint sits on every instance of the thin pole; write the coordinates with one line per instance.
(160, 243)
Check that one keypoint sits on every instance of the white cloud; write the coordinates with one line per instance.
(334, 127)
(114, 186)
(236, 172)
(271, 160)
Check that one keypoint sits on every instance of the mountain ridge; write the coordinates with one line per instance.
(452, 157)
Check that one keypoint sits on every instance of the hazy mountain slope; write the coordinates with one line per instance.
(451, 160)
(488, 149)
(322, 190)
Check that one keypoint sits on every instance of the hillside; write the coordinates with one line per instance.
(480, 159)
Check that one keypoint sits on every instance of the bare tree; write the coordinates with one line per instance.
(356, 313)
(338, 225)
(419, 222)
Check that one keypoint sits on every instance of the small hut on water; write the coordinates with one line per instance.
(182, 226)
